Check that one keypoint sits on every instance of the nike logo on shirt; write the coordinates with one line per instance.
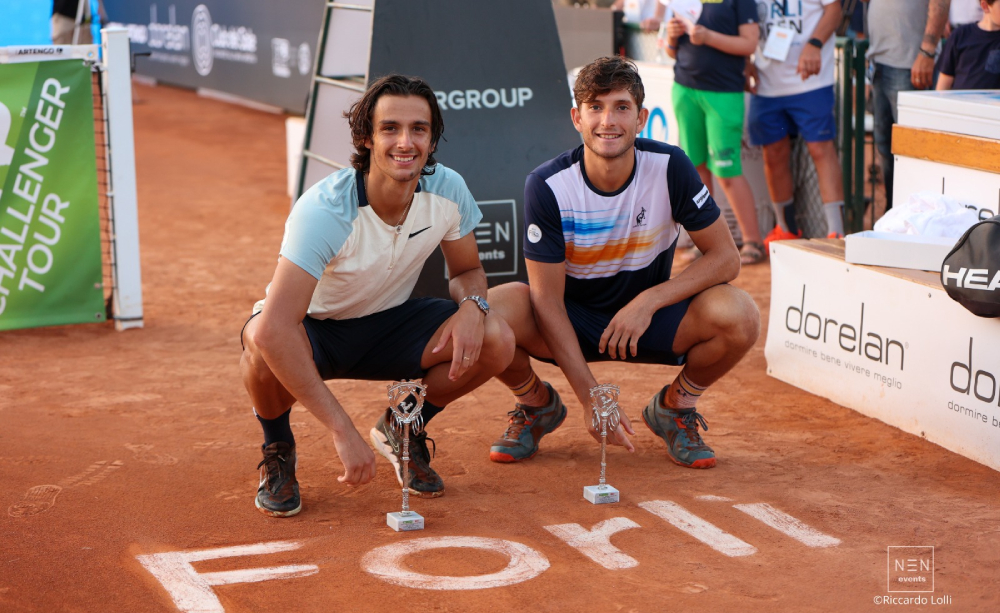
(419, 231)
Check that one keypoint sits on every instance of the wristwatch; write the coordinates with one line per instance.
(815, 42)
(480, 302)
(927, 53)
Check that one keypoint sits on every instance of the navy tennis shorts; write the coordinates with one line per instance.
(655, 345)
(383, 346)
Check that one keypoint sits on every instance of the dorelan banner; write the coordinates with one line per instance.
(50, 243)
(888, 347)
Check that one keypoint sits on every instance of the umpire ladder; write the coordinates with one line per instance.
(340, 76)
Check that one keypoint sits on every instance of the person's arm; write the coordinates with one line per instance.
(719, 264)
(653, 23)
(743, 45)
(284, 347)
(922, 72)
(811, 58)
(944, 82)
(949, 62)
(547, 282)
(466, 328)
(675, 29)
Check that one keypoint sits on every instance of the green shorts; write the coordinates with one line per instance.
(710, 125)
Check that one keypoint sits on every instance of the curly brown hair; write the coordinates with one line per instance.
(359, 116)
(608, 74)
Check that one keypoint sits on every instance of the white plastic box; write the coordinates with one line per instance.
(897, 250)
(971, 112)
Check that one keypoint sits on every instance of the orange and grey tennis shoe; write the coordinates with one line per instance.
(679, 430)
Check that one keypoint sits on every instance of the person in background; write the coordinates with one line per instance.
(903, 39)
(64, 15)
(793, 94)
(708, 102)
(963, 12)
(647, 13)
(971, 57)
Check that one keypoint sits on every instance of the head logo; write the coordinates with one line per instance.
(201, 40)
(6, 152)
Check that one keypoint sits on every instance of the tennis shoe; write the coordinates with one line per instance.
(779, 234)
(278, 492)
(526, 428)
(679, 430)
(424, 481)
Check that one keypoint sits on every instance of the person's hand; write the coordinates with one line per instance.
(809, 61)
(750, 77)
(922, 73)
(650, 25)
(699, 35)
(616, 436)
(626, 327)
(465, 330)
(357, 456)
(675, 28)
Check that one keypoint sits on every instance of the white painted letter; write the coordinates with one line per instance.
(786, 524)
(192, 591)
(707, 533)
(384, 563)
(596, 544)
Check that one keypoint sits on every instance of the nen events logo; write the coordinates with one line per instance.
(910, 568)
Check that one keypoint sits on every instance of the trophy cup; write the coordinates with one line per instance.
(604, 399)
(405, 417)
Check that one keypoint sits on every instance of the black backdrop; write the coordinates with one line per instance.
(493, 54)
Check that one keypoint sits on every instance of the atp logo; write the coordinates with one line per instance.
(641, 219)
(201, 40)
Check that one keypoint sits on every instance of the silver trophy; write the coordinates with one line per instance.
(406, 417)
(604, 400)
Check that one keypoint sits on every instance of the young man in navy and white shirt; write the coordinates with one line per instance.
(602, 222)
(339, 304)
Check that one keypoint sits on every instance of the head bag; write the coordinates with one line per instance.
(971, 272)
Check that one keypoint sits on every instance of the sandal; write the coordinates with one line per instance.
(752, 253)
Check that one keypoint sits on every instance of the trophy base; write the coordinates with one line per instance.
(404, 523)
(600, 494)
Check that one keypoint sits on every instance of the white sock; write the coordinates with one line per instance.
(834, 217)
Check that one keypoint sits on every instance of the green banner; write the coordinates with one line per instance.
(50, 243)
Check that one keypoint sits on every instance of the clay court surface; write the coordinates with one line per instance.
(120, 445)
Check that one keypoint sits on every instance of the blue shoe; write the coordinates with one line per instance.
(527, 426)
(679, 429)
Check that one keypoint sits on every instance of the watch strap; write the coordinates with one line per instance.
(479, 301)
(815, 42)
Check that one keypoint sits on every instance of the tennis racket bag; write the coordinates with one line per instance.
(971, 271)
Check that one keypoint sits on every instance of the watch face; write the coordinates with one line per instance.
(482, 304)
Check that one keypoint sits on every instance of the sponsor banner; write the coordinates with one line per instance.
(658, 84)
(50, 246)
(261, 51)
(888, 347)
